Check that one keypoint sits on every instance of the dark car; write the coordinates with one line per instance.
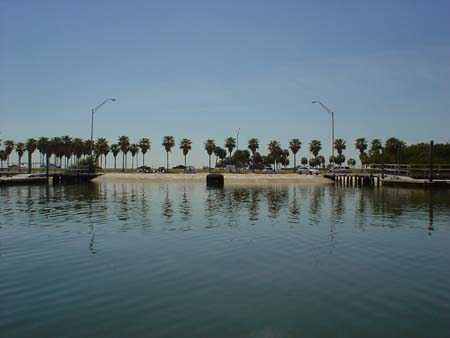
(144, 169)
(162, 170)
(180, 166)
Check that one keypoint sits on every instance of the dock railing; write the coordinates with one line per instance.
(41, 169)
(419, 171)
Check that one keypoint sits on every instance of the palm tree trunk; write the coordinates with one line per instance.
(295, 161)
(29, 162)
(123, 162)
(167, 159)
(115, 166)
(143, 159)
(105, 161)
(209, 163)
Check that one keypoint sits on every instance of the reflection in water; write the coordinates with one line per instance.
(129, 205)
(185, 206)
(167, 209)
(430, 212)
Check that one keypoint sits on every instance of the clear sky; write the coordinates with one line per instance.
(201, 69)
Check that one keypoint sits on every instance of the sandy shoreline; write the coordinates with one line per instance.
(201, 177)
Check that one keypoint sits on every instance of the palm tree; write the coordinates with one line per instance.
(295, 146)
(168, 142)
(124, 144)
(9, 146)
(134, 149)
(115, 149)
(88, 145)
(351, 162)
(145, 145)
(230, 144)
(339, 159)
(55, 148)
(185, 145)
(66, 144)
(304, 161)
(217, 153)
(313, 162)
(375, 147)
(20, 149)
(101, 147)
(106, 151)
(361, 145)
(253, 145)
(31, 145)
(275, 152)
(78, 147)
(314, 147)
(210, 146)
(42, 146)
(339, 145)
(393, 147)
(321, 160)
(222, 154)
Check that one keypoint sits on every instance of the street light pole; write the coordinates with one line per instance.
(92, 120)
(329, 111)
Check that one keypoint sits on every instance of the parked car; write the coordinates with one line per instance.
(144, 169)
(268, 170)
(313, 171)
(180, 166)
(162, 170)
(340, 169)
(303, 170)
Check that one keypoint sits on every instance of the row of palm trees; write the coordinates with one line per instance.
(71, 150)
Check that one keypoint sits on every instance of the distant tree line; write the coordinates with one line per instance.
(66, 151)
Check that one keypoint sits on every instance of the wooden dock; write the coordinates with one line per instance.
(355, 180)
(376, 180)
(56, 178)
(23, 179)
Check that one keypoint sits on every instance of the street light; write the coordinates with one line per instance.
(92, 120)
(237, 138)
(329, 111)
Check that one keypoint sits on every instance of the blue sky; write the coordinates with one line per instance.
(201, 69)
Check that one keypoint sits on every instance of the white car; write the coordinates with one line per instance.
(313, 171)
(303, 170)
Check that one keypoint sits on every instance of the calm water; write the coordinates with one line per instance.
(176, 260)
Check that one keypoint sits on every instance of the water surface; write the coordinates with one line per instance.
(181, 260)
